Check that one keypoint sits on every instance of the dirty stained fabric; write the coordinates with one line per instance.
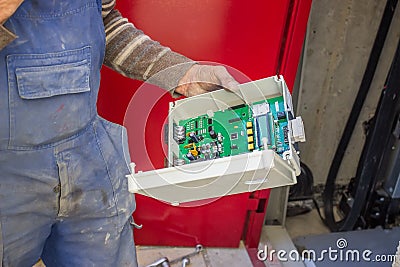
(63, 191)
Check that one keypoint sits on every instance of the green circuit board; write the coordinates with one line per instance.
(237, 130)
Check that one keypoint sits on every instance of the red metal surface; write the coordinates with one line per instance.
(255, 220)
(210, 225)
(296, 27)
(254, 224)
(252, 252)
(248, 37)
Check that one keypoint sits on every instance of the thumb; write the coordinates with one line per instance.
(230, 84)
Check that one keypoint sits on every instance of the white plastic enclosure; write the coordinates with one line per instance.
(248, 172)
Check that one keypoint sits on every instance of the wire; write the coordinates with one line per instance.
(349, 222)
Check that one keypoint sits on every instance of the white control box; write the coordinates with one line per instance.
(229, 143)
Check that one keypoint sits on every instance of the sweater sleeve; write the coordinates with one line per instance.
(135, 55)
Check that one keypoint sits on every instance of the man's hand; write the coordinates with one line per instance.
(7, 8)
(201, 79)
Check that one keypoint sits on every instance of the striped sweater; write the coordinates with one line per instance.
(132, 53)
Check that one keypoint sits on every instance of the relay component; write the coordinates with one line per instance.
(237, 130)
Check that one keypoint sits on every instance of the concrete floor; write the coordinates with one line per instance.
(208, 257)
(301, 225)
(305, 224)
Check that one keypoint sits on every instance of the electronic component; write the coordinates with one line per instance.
(234, 136)
(193, 136)
(190, 156)
(179, 134)
(219, 137)
(179, 162)
(281, 115)
(263, 130)
(286, 134)
(297, 128)
(234, 120)
(219, 149)
(213, 134)
(260, 109)
(272, 129)
(266, 124)
(257, 126)
(194, 152)
(276, 106)
(206, 150)
(190, 145)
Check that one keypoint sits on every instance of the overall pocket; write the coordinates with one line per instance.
(115, 151)
(49, 96)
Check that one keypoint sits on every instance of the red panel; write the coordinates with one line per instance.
(253, 252)
(219, 224)
(293, 44)
(255, 220)
(242, 35)
(248, 37)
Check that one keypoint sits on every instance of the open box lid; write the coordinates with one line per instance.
(218, 177)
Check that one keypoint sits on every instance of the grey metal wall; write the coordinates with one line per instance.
(338, 43)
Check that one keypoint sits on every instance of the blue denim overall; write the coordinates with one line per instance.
(63, 192)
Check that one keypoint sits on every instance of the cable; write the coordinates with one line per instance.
(318, 210)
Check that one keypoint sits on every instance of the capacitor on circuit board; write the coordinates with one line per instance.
(213, 134)
(194, 137)
(179, 162)
(219, 148)
(214, 147)
(219, 137)
(190, 156)
(205, 150)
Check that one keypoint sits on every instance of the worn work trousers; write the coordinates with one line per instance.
(68, 202)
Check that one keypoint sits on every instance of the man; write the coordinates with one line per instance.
(63, 191)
